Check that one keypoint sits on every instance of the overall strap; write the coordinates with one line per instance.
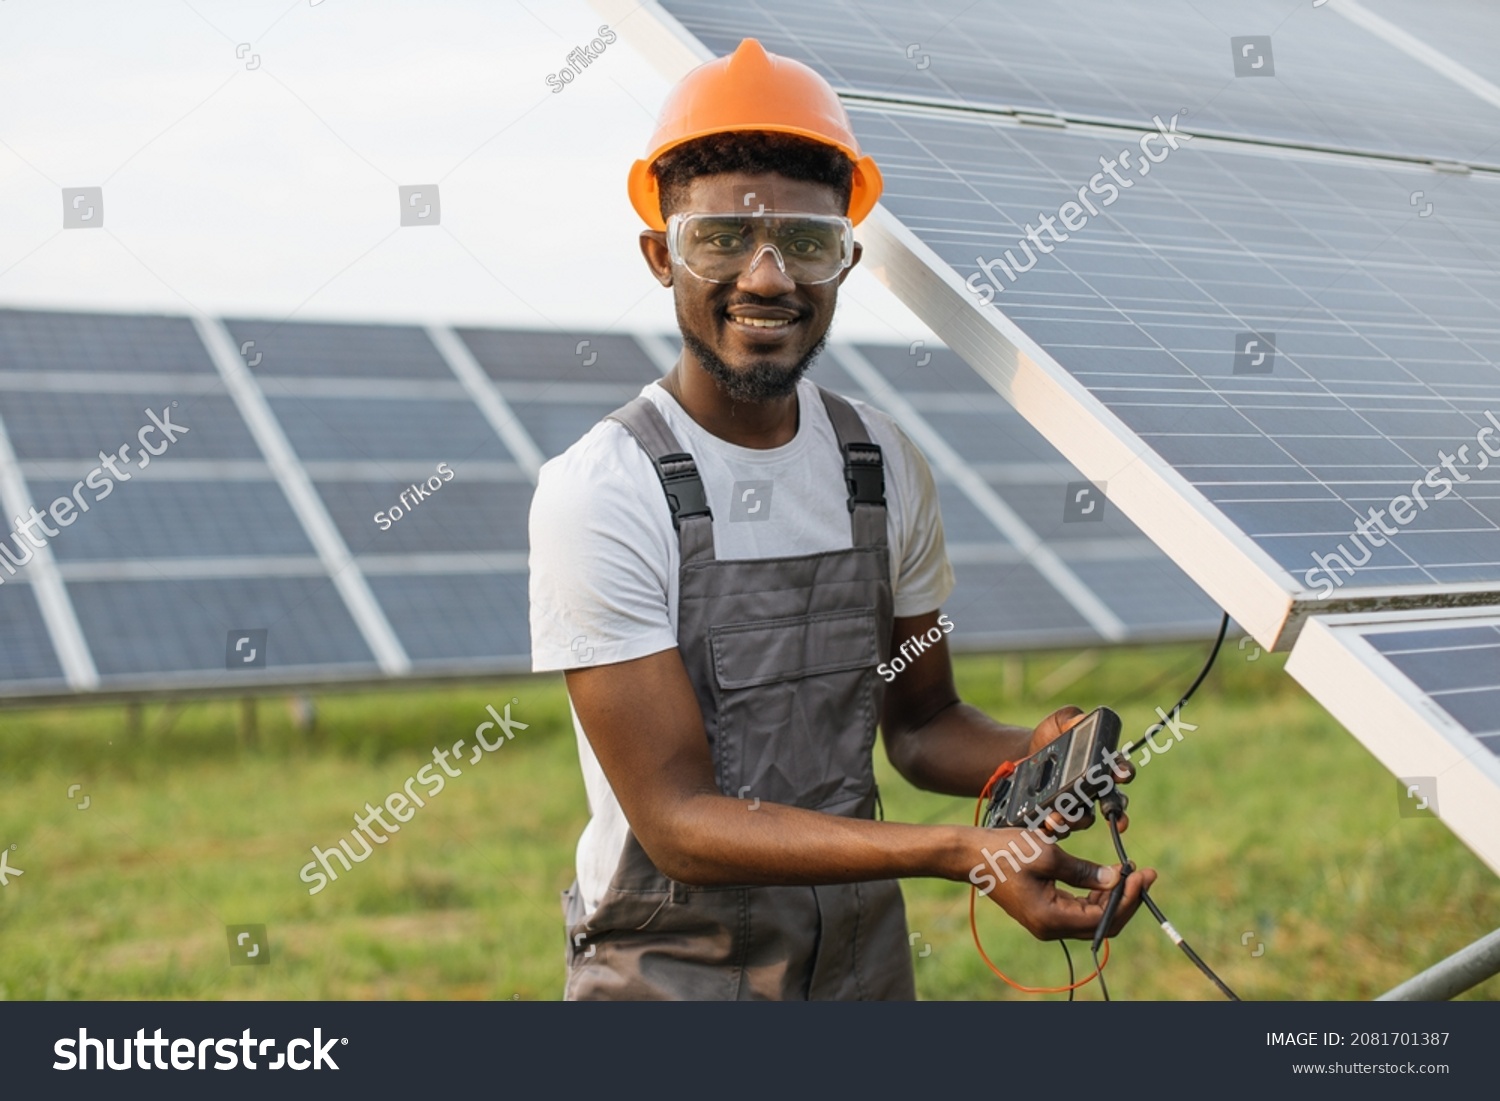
(864, 471)
(679, 476)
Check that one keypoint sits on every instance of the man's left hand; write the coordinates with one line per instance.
(1051, 728)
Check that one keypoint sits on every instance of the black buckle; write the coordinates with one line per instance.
(864, 474)
(684, 487)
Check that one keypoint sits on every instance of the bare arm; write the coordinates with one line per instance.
(643, 721)
(933, 739)
(942, 744)
(937, 741)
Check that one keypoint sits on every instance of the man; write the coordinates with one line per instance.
(721, 566)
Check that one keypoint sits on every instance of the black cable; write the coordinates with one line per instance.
(1145, 692)
(1177, 709)
(1113, 807)
(1167, 927)
(1186, 947)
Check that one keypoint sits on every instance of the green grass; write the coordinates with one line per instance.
(1268, 818)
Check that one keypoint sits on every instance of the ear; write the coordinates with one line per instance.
(859, 250)
(658, 259)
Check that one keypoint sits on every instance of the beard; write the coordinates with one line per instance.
(759, 381)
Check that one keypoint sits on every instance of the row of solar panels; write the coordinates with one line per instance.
(1240, 267)
(350, 501)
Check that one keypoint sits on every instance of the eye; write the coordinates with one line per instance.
(723, 241)
(806, 246)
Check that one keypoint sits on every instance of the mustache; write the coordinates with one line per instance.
(770, 303)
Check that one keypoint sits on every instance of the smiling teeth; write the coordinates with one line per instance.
(761, 322)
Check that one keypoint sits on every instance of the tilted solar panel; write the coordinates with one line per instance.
(1288, 72)
(1376, 341)
(1463, 31)
(1422, 692)
(1273, 343)
(1458, 669)
(1022, 547)
(1278, 360)
(1261, 351)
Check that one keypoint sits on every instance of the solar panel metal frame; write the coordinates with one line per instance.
(1406, 730)
(1261, 595)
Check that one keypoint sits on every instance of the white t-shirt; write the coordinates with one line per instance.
(604, 555)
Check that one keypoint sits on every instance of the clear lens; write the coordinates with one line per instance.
(720, 248)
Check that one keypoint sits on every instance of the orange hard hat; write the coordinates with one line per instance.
(752, 90)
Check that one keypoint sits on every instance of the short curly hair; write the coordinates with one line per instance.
(789, 155)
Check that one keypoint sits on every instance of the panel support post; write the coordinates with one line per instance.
(1448, 978)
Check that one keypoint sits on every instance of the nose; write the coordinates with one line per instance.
(766, 280)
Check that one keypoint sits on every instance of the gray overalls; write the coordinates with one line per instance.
(782, 654)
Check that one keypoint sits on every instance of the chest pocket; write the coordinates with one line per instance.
(795, 707)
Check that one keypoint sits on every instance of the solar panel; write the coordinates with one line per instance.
(1321, 79)
(1273, 345)
(1457, 669)
(179, 519)
(1368, 388)
(459, 621)
(556, 425)
(997, 605)
(515, 356)
(310, 348)
(57, 424)
(287, 519)
(1004, 490)
(27, 658)
(176, 632)
(1422, 692)
(48, 341)
(1464, 31)
(466, 516)
(381, 428)
(1255, 348)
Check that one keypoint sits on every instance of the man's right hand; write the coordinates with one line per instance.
(1020, 871)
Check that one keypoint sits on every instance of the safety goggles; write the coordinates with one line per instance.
(721, 248)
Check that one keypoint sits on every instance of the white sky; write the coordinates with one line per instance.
(273, 191)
